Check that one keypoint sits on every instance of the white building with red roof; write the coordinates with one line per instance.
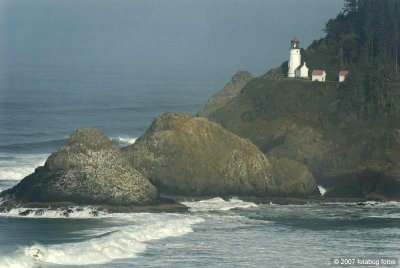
(342, 75)
(319, 75)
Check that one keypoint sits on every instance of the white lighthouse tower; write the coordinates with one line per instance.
(295, 57)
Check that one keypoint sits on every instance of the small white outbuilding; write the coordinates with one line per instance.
(342, 75)
(319, 75)
(302, 72)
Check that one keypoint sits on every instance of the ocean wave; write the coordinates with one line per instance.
(124, 242)
(20, 165)
(124, 140)
(218, 204)
(386, 216)
(33, 147)
(7, 184)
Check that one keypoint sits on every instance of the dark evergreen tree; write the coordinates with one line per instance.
(366, 38)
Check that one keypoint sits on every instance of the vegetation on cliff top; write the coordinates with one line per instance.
(365, 39)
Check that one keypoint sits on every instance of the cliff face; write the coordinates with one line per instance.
(303, 121)
(89, 170)
(185, 155)
(231, 90)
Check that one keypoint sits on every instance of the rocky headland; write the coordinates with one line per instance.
(262, 139)
(303, 121)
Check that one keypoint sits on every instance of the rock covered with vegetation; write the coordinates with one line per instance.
(189, 156)
(231, 90)
(89, 170)
(303, 121)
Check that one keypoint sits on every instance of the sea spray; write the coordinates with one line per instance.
(218, 204)
(124, 140)
(322, 190)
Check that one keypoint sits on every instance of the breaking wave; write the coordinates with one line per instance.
(218, 204)
(124, 242)
(124, 140)
(17, 166)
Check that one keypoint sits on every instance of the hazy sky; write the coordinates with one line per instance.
(243, 34)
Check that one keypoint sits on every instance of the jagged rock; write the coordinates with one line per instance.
(39, 212)
(94, 213)
(89, 170)
(191, 156)
(231, 90)
(26, 212)
(364, 183)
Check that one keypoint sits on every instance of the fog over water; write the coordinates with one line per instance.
(200, 35)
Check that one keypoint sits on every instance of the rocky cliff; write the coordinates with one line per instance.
(303, 121)
(231, 90)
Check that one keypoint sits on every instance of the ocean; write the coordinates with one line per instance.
(41, 105)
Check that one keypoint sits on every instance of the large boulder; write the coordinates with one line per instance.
(293, 177)
(192, 156)
(89, 170)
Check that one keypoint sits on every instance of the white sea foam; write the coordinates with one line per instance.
(386, 216)
(123, 242)
(125, 140)
(20, 165)
(218, 204)
(322, 190)
(383, 204)
(71, 212)
(16, 260)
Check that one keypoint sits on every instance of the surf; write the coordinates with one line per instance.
(218, 204)
(123, 242)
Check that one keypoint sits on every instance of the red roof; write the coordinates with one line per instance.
(343, 73)
(318, 72)
(295, 39)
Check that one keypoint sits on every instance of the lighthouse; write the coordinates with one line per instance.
(295, 57)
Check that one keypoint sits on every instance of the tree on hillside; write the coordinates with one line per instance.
(366, 37)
